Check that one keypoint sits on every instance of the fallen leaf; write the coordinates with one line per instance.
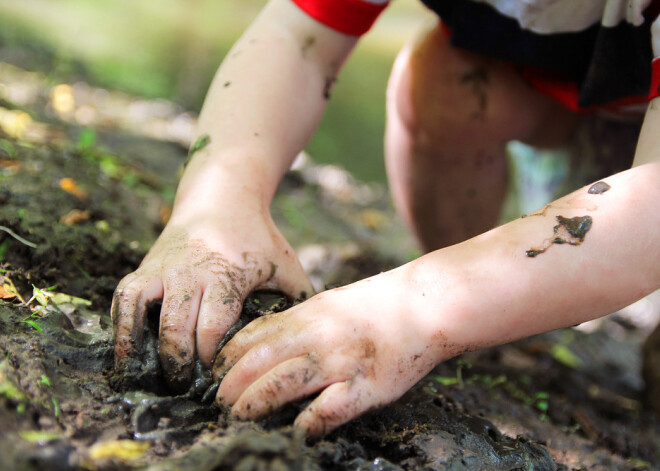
(75, 216)
(9, 167)
(5, 294)
(123, 450)
(40, 295)
(8, 290)
(70, 186)
(61, 298)
(39, 436)
(43, 297)
(565, 356)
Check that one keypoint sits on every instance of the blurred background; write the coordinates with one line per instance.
(170, 49)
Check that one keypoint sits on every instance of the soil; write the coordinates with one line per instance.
(91, 203)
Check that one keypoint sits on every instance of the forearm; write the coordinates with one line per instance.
(488, 290)
(265, 102)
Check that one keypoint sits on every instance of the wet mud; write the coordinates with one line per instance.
(64, 405)
(571, 231)
(598, 188)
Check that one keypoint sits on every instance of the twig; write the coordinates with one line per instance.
(17, 237)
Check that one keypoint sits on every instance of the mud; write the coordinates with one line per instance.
(327, 88)
(64, 405)
(598, 188)
(571, 231)
(478, 80)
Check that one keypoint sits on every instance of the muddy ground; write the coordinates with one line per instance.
(83, 194)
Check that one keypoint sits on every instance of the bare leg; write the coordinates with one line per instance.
(450, 114)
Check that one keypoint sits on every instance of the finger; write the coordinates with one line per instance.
(259, 330)
(217, 313)
(289, 381)
(178, 317)
(288, 277)
(260, 359)
(129, 307)
(336, 405)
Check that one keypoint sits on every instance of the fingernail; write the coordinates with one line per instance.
(220, 400)
(237, 414)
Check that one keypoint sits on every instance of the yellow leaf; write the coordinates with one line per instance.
(8, 290)
(39, 436)
(61, 298)
(41, 296)
(123, 450)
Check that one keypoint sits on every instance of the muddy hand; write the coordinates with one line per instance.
(363, 346)
(202, 273)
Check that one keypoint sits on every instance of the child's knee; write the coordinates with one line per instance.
(421, 92)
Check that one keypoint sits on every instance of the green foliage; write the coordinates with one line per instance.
(86, 140)
(10, 391)
(44, 380)
(516, 389)
(8, 147)
(565, 356)
(34, 324)
(3, 249)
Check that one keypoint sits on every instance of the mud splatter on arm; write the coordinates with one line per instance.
(598, 188)
(571, 231)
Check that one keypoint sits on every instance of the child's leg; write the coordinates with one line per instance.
(450, 114)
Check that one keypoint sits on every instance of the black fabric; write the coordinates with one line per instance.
(620, 65)
(607, 64)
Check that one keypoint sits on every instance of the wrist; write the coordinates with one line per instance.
(443, 299)
(211, 186)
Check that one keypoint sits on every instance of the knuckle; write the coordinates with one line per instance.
(178, 272)
(172, 329)
(127, 292)
(209, 331)
(175, 354)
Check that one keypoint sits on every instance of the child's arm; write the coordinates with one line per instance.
(364, 345)
(221, 243)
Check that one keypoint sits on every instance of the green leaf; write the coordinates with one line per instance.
(8, 147)
(56, 406)
(3, 248)
(565, 356)
(446, 380)
(110, 166)
(542, 406)
(33, 324)
(86, 139)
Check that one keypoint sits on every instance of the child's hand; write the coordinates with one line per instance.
(202, 269)
(363, 346)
